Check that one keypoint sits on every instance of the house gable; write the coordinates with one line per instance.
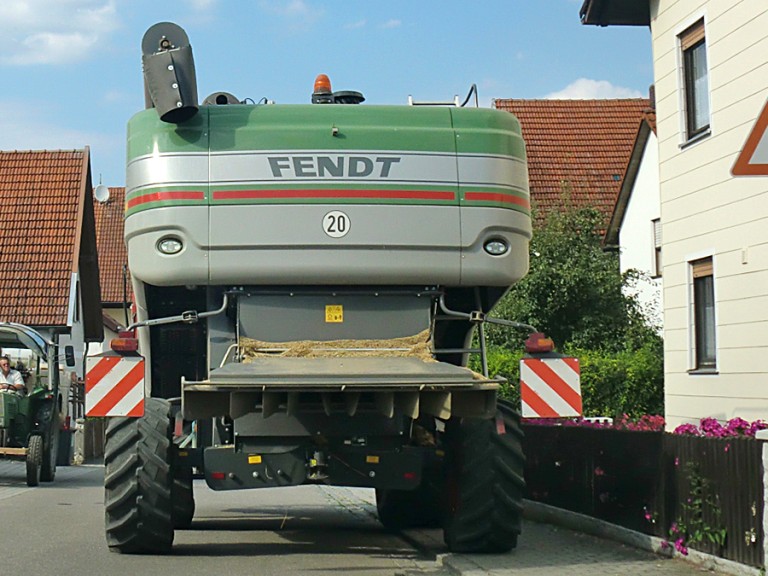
(47, 238)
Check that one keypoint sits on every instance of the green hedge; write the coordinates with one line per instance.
(612, 383)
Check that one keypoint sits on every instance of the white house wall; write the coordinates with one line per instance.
(636, 237)
(705, 211)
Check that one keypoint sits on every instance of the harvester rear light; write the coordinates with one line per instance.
(537, 342)
(218, 475)
(496, 247)
(125, 343)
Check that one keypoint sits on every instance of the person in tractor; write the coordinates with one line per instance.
(10, 379)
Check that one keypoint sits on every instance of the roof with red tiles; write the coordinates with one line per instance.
(46, 235)
(113, 258)
(577, 149)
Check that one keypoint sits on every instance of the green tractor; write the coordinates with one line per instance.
(29, 421)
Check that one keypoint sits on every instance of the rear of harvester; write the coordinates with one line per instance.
(310, 281)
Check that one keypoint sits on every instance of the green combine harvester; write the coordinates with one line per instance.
(310, 282)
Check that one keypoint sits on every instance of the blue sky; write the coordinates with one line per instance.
(71, 69)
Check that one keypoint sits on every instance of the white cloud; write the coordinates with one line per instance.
(53, 31)
(299, 14)
(25, 129)
(392, 24)
(354, 25)
(587, 89)
(201, 5)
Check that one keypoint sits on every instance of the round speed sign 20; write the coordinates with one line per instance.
(336, 224)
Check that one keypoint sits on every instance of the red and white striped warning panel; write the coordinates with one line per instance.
(114, 386)
(550, 387)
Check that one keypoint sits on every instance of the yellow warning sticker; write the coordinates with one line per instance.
(254, 459)
(371, 459)
(334, 313)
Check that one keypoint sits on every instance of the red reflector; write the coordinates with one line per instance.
(409, 475)
(123, 345)
(218, 475)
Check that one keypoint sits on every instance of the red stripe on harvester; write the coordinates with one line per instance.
(133, 377)
(542, 409)
(497, 197)
(160, 196)
(343, 193)
(99, 370)
(550, 377)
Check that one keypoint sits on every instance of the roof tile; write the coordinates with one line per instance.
(577, 149)
(40, 192)
(113, 258)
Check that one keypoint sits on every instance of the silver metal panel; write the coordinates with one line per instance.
(144, 229)
(167, 169)
(287, 245)
(493, 171)
(375, 373)
(286, 318)
(313, 166)
(478, 225)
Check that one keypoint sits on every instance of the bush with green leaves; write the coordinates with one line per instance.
(575, 293)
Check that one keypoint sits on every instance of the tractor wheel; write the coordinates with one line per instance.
(50, 455)
(485, 483)
(138, 481)
(34, 460)
(183, 498)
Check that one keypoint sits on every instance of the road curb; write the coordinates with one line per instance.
(544, 513)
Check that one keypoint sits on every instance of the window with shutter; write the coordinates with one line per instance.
(693, 45)
(705, 351)
(656, 248)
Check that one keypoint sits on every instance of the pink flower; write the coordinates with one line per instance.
(680, 547)
(599, 471)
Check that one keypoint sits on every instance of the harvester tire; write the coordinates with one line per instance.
(485, 483)
(34, 460)
(138, 481)
(183, 498)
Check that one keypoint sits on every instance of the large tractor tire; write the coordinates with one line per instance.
(183, 498)
(138, 460)
(485, 483)
(34, 459)
(50, 456)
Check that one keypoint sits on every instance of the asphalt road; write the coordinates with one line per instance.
(59, 529)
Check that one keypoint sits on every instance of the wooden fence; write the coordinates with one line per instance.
(655, 482)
